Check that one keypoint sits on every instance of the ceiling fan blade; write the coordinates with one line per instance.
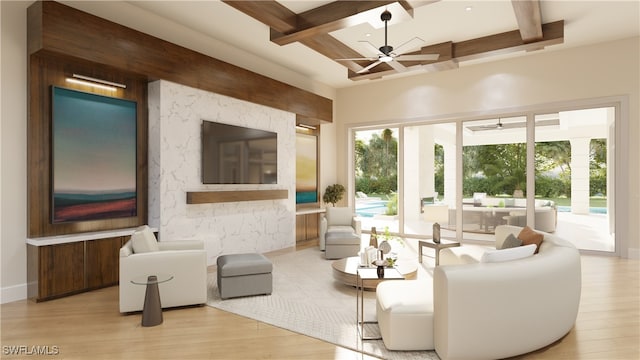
(482, 127)
(358, 59)
(515, 125)
(364, 70)
(414, 43)
(421, 57)
(397, 66)
(369, 46)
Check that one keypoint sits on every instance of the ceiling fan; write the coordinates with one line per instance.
(512, 125)
(386, 53)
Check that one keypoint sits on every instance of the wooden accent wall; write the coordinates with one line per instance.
(53, 69)
(61, 29)
(62, 40)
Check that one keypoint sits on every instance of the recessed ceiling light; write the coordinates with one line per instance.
(367, 34)
(468, 8)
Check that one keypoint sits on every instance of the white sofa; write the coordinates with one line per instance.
(490, 310)
(185, 260)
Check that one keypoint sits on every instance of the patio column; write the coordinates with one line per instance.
(580, 175)
(449, 174)
(418, 169)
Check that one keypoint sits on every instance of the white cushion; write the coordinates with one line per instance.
(339, 216)
(509, 254)
(143, 240)
(341, 229)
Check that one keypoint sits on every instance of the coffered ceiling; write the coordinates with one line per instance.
(307, 36)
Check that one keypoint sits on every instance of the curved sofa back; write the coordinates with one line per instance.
(498, 310)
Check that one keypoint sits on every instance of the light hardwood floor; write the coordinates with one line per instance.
(89, 326)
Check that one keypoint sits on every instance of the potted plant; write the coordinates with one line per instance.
(333, 194)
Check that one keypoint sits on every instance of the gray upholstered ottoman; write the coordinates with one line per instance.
(244, 275)
(340, 245)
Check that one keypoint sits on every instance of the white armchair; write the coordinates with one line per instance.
(185, 260)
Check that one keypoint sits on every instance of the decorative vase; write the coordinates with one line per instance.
(380, 271)
(385, 246)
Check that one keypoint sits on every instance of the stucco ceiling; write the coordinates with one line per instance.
(585, 22)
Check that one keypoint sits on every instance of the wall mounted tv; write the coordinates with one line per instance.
(93, 156)
(238, 155)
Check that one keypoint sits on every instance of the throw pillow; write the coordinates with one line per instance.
(510, 242)
(143, 240)
(520, 252)
(528, 236)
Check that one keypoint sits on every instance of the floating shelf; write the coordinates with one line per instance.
(209, 197)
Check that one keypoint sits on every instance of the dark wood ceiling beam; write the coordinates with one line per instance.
(330, 47)
(55, 28)
(340, 15)
(479, 48)
(529, 19)
(268, 12)
(507, 42)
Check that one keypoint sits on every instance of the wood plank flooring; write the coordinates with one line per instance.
(89, 326)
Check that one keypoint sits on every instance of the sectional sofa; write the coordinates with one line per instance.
(482, 304)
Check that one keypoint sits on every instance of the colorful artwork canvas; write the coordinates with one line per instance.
(94, 156)
(306, 169)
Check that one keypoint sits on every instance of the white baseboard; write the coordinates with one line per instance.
(13, 293)
(634, 254)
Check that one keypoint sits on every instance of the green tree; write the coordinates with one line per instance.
(438, 168)
(377, 163)
(503, 165)
(598, 167)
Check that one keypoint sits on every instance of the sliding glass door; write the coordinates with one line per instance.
(551, 171)
(376, 178)
(574, 176)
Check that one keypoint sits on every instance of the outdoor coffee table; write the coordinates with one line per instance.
(443, 244)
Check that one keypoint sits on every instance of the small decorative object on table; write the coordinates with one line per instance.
(384, 246)
(373, 240)
(380, 263)
(436, 233)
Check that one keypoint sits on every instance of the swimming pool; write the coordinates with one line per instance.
(592, 210)
(371, 208)
(378, 207)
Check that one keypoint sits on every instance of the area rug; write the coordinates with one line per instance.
(307, 300)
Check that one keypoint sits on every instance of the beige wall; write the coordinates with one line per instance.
(575, 76)
(13, 131)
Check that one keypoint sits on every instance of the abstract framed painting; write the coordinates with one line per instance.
(306, 169)
(93, 156)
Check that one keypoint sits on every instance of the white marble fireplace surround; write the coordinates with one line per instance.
(175, 116)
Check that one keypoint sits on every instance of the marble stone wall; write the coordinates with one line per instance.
(175, 116)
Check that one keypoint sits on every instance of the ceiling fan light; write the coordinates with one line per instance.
(385, 58)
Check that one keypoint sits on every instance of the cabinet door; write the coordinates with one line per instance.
(102, 262)
(312, 226)
(61, 270)
(301, 231)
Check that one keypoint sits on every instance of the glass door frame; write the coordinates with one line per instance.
(621, 171)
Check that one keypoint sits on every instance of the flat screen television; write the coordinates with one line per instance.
(238, 155)
(94, 156)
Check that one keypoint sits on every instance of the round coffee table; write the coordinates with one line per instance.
(344, 271)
